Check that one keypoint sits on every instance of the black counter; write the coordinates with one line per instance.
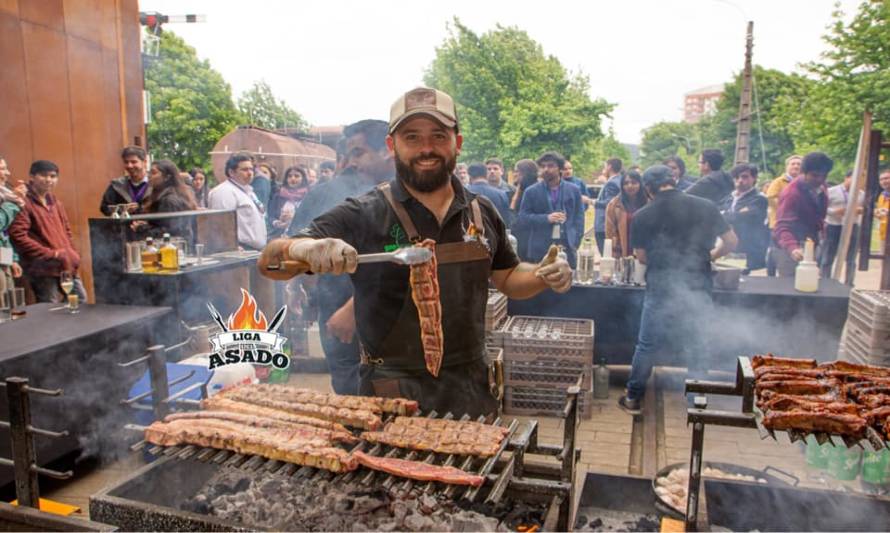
(78, 353)
(763, 315)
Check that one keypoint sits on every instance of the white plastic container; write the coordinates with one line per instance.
(224, 377)
(806, 277)
(607, 269)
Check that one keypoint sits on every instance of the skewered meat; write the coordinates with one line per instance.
(843, 424)
(217, 403)
(856, 368)
(350, 417)
(424, 281)
(877, 400)
(272, 444)
(770, 360)
(801, 386)
(399, 406)
(765, 372)
(442, 436)
(879, 415)
(263, 422)
(417, 470)
(786, 402)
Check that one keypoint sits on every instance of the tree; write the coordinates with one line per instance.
(854, 76)
(261, 108)
(664, 139)
(513, 101)
(597, 152)
(191, 105)
(777, 96)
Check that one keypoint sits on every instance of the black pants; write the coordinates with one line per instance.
(829, 252)
(460, 389)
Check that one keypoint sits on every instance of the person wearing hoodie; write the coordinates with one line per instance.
(715, 184)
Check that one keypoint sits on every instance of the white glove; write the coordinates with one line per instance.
(556, 274)
(324, 256)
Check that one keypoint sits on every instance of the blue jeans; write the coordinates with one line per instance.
(672, 320)
(343, 359)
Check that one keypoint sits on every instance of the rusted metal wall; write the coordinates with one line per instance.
(71, 92)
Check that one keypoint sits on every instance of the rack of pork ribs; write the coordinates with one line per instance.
(837, 398)
(312, 429)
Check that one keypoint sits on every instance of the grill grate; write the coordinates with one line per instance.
(363, 475)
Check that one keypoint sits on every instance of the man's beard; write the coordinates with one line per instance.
(425, 181)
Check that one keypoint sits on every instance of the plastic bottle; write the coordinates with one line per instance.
(601, 379)
(169, 255)
(585, 263)
(151, 260)
(806, 276)
(607, 263)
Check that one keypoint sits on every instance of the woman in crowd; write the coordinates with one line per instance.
(287, 199)
(169, 194)
(199, 185)
(620, 212)
(526, 172)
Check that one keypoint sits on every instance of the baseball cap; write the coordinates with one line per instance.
(423, 101)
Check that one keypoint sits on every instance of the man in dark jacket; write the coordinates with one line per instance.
(552, 211)
(714, 184)
(610, 190)
(745, 210)
(131, 188)
(479, 185)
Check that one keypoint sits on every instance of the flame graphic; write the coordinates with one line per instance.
(247, 316)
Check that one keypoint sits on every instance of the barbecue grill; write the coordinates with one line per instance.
(749, 417)
(150, 498)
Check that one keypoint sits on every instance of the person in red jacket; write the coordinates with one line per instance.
(41, 235)
(801, 214)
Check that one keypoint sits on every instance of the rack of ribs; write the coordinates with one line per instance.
(217, 403)
(770, 360)
(843, 424)
(424, 282)
(359, 418)
(800, 386)
(250, 420)
(278, 444)
(398, 406)
(441, 436)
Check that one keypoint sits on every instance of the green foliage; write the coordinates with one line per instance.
(664, 139)
(777, 94)
(589, 162)
(191, 105)
(854, 76)
(513, 101)
(260, 107)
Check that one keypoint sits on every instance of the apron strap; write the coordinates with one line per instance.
(401, 214)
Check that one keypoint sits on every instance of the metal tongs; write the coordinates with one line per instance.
(411, 255)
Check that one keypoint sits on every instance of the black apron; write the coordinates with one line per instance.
(399, 370)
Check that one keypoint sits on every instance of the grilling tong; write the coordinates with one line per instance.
(412, 255)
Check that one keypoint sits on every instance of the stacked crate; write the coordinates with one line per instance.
(495, 318)
(542, 358)
(867, 333)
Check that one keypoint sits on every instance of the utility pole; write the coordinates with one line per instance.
(743, 124)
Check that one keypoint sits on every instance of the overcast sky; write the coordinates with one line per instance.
(338, 61)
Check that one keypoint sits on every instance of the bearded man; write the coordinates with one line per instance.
(425, 201)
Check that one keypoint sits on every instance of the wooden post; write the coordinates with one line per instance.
(743, 126)
(850, 215)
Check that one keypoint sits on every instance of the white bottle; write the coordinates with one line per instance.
(806, 275)
(585, 263)
(607, 263)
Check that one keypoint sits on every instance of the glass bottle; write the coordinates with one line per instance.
(169, 255)
(601, 380)
(151, 260)
(585, 263)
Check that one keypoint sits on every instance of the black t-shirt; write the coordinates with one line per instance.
(369, 224)
(678, 232)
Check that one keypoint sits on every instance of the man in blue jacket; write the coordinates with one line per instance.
(479, 185)
(552, 211)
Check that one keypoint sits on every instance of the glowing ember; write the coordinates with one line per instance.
(248, 315)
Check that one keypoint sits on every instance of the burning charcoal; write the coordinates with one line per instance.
(399, 510)
(417, 522)
(581, 521)
(428, 504)
(596, 524)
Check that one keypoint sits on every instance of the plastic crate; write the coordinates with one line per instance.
(495, 310)
(526, 401)
(526, 338)
(876, 339)
(874, 305)
(867, 317)
(548, 372)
